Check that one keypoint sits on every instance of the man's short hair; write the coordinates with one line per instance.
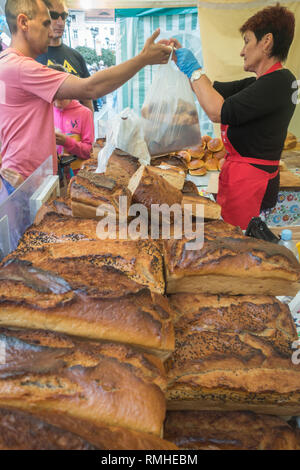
(13, 8)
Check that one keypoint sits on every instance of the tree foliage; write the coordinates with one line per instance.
(108, 57)
(90, 56)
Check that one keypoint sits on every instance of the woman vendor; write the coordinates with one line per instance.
(254, 113)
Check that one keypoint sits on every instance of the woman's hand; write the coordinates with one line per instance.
(12, 177)
(186, 61)
(60, 138)
(172, 42)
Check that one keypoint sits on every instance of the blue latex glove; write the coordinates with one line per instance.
(186, 61)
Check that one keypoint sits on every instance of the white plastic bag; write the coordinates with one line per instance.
(124, 132)
(102, 125)
(170, 117)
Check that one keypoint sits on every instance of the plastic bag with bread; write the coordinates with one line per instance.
(169, 114)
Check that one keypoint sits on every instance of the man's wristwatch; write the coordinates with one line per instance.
(197, 74)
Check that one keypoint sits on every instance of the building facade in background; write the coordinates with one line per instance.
(91, 28)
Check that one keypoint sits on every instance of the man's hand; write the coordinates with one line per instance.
(12, 177)
(155, 53)
(60, 138)
(186, 61)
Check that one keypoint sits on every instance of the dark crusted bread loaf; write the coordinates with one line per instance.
(49, 430)
(59, 206)
(235, 430)
(79, 262)
(233, 353)
(50, 227)
(174, 160)
(148, 188)
(21, 431)
(101, 383)
(190, 188)
(125, 313)
(88, 191)
(121, 167)
(69, 247)
(230, 263)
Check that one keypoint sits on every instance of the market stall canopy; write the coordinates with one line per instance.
(129, 4)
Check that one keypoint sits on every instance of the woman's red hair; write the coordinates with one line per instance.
(277, 20)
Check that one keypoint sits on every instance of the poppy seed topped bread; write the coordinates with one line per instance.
(233, 353)
(70, 248)
(107, 383)
(125, 312)
(230, 263)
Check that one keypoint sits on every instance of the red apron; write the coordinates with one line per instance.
(242, 186)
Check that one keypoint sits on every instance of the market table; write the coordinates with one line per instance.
(287, 209)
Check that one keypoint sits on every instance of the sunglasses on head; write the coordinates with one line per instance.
(55, 15)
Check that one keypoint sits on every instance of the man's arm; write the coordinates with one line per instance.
(84, 73)
(106, 81)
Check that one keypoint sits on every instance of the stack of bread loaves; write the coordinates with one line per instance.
(88, 333)
(234, 342)
(233, 338)
(84, 328)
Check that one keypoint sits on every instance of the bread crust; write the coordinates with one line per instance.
(124, 313)
(70, 248)
(198, 172)
(177, 160)
(189, 188)
(215, 145)
(21, 431)
(100, 435)
(195, 164)
(100, 383)
(172, 174)
(121, 167)
(233, 353)
(236, 430)
(88, 191)
(148, 188)
(212, 210)
(249, 263)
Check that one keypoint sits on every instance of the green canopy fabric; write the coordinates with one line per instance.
(134, 12)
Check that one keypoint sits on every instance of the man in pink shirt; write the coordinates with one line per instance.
(28, 89)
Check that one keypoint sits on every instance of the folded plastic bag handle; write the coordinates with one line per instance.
(170, 58)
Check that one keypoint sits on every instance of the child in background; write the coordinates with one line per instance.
(74, 128)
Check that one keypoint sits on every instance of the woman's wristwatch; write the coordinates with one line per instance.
(197, 74)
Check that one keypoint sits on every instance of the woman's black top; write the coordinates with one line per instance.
(258, 113)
